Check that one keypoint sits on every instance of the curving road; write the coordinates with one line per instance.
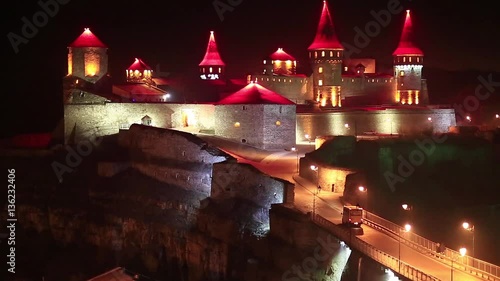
(283, 164)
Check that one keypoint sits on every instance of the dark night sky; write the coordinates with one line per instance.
(455, 35)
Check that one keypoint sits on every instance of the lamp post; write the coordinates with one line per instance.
(315, 169)
(297, 151)
(462, 252)
(364, 191)
(408, 208)
(469, 227)
(407, 228)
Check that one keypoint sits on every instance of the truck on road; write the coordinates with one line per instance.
(352, 216)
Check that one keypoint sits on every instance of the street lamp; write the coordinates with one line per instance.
(297, 151)
(468, 118)
(364, 191)
(315, 169)
(467, 226)
(462, 252)
(406, 228)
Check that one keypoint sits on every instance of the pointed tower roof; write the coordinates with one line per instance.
(325, 34)
(212, 56)
(254, 93)
(281, 55)
(406, 46)
(139, 65)
(87, 39)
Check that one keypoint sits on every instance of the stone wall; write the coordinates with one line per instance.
(171, 156)
(382, 121)
(295, 88)
(330, 178)
(241, 123)
(96, 120)
(279, 135)
(243, 181)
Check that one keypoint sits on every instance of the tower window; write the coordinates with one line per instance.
(401, 73)
(345, 68)
(320, 82)
(315, 54)
(203, 69)
(220, 69)
(418, 59)
(210, 70)
(338, 54)
(404, 59)
(331, 53)
(322, 53)
(320, 69)
(409, 59)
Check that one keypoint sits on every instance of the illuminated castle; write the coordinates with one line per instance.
(336, 81)
(342, 96)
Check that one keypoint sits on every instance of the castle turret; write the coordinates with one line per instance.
(87, 57)
(139, 71)
(212, 66)
(408, 60)
(280, 63)
(326, 55)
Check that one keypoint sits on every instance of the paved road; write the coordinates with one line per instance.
(283, 164)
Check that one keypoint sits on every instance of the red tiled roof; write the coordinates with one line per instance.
(87, 39)
(325, 35)
(139, 65)
(140, 89)
(254, 93)
(212, 56)
(406, 46)
(281, 55)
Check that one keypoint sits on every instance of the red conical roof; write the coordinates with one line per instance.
(406, 46)
(281, 55)
(87, 39)
(139, 65)
(212, 56)
(254, 93)
(325, 35)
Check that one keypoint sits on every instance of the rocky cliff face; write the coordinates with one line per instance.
(87, 224)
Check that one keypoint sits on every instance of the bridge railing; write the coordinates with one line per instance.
(383, 258)
(477, 267)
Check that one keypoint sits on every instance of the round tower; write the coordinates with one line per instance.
(212, 67)
(408, 64)
(325, 54)
(87, 57)
(280, 63)
(139, 72)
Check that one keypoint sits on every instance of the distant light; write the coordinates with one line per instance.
(362, 188)
(430, 119)
(342, 243)
(468, 117)
(314, 168)
(294, 149)
(497, 116)
(306, 136)
(463, 251)
(346, 125)
(407, 227)
(405, 206)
